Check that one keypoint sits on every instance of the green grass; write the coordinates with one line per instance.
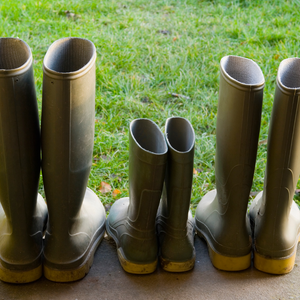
(147, 49)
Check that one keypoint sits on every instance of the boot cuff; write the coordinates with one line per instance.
(69, 58)
(242, 73)
(147, 142)
(15, 57)
(288, 77)
(180, 137)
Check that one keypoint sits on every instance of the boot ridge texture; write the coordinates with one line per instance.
(174, 223)
(76, 216)
(274, 216)
(23, 212)
(131, 221)
(221, 214)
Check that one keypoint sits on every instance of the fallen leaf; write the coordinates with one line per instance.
(276, 56)
(195, 172)
(105, 188)
(174, 39)
(179, 96)
(264, 142)
(116, 192)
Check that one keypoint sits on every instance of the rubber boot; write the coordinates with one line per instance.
(23, 212)
(175, 224)
(221, 214)
(131, 222)
(274, 215)
(76, 216)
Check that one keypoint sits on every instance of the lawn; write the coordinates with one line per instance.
(149, 49)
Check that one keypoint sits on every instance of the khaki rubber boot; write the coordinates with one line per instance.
(131, 221)
(76, 216)
(174, 223)
(23, 212)
(274, 216)
(221, 214)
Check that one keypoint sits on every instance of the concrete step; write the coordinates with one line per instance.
(107, 280)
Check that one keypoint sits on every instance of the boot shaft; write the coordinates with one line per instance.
(238, 125)
(67, 125)
(19, 135)
(283, 167)
(177, 191)
(147, 163)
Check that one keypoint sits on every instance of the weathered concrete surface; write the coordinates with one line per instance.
(107, 280)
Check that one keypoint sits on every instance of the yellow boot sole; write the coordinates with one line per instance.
(172, 266)
(227, 263)
(274, 265)
(18, 276)
(58, 275)
(135, 268)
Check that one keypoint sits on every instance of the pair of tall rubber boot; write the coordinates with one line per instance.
(73, 221)
(221, 216)
(156, 163)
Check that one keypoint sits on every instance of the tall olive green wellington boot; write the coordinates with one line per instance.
(274, 216)
(175, 224)
(76, 216)
(131, 222)
(221, 214)
(23, 212)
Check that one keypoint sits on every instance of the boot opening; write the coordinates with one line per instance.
(69, 55)
(289, 73)
(243, 70)
(14, 53)
(180, 134)
(148, 136)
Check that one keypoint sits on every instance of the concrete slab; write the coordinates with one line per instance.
(107, 280)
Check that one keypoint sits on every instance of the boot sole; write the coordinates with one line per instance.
(227, 263)
(276, 266)
(70, 275)
(177, 267)
(19, 276)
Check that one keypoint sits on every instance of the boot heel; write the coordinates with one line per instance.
(227, 263)
(57, 275)
(275, 266)
(173, 266)
(70, 275)
(135, 268)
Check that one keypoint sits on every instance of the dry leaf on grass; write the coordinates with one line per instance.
(116, 192)
(264, 142)
(105, 187)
